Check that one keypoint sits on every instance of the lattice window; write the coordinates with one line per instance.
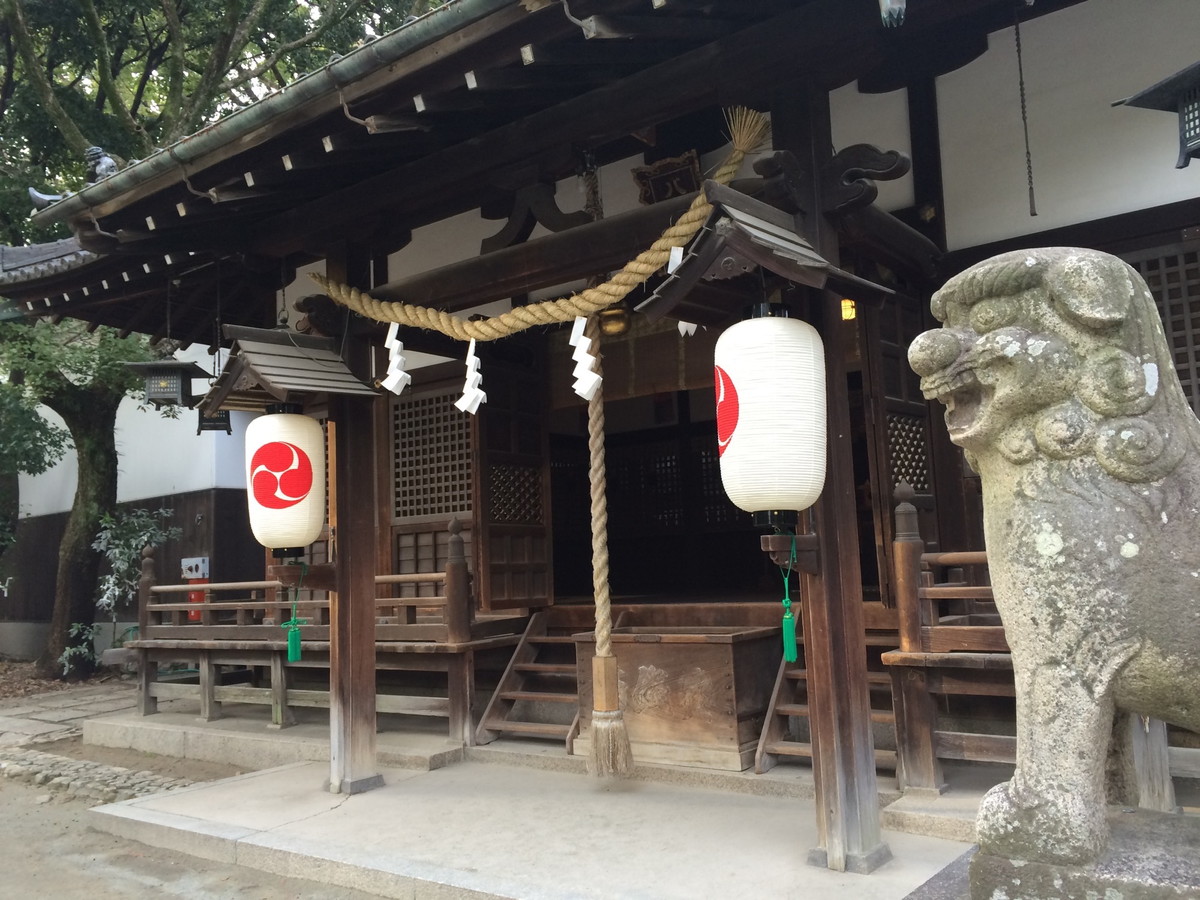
(908, 451)
(715, 506)
(1173, 275)
(516, 494)
(432, 456)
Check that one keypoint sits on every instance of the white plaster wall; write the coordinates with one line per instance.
(1090, 159)
(156, 456)
(880, 120)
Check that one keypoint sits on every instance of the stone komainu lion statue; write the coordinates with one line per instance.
(1059, 385)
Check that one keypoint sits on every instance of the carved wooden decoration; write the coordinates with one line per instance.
(675, 176)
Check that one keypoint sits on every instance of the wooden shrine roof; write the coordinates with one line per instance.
(268, 366)
(461, 109)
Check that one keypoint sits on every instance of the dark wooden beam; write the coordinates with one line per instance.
(822, 33)
(566, 255)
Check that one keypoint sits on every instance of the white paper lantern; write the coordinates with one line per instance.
(770, 384)
(285, 480)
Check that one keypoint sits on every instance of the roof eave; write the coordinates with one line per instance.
(238, 127)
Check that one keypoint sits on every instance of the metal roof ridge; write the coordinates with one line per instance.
(372, 56)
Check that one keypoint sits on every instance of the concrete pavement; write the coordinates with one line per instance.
(515, 819)
(475, 830)
(60, 714)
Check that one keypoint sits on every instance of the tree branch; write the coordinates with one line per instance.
(104, 74)
(219, 61)
(175, 61)
(14, 15)
(329, 18)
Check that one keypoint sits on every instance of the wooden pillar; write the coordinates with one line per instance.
(353, 767)
(832, 609)
(352, 762)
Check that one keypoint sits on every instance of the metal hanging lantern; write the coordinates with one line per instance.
(285, 480)
(771, 421)
(1180, 94)
(168, 382)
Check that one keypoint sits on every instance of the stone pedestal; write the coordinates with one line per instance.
(1150, 856)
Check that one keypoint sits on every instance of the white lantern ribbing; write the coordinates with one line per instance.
(770, 384)
(285, 481)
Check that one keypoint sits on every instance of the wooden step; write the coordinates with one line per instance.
(881, 716)
(872, 677)
(790, 748)
(546, 729)
(792, 709)
(885, 759)
(546, 668)
(539, 696)
(551, 639)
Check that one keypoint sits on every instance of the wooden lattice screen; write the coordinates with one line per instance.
(908, 450)
(905, 408)
(432, 458)
(432, 481)
(1173, 275)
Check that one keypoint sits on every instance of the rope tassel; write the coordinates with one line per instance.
(610, 752)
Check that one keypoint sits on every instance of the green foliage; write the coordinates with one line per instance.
(31, 443)
(122, 537)
(46, 355)
(141, 74)
(79, 659)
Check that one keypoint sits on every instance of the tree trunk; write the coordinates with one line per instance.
(90, 414)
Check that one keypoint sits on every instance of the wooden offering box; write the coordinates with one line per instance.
(690, 696)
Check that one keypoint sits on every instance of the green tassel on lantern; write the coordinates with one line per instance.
(293, 624)
(293, 635)
(790, 650)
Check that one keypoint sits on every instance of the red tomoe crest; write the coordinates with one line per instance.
(727, 408)
(281, 475)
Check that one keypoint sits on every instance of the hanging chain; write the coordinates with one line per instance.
(1024, 112)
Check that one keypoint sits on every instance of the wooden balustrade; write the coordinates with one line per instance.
(424, 622)
(952, 644)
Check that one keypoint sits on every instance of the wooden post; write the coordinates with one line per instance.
(835, 650)
(147, 667)
(460, 609)
(210, 707)
(353, 767)
(906, 551)
(281, 714)
(917, 764)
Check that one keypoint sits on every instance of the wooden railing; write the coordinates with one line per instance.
(952, 644)
(224, 629)
(256, 610)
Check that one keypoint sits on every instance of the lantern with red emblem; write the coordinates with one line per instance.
(770, 384)
(285, 480)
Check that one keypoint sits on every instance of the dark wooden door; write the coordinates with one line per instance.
(897, 422)
(512, 489)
